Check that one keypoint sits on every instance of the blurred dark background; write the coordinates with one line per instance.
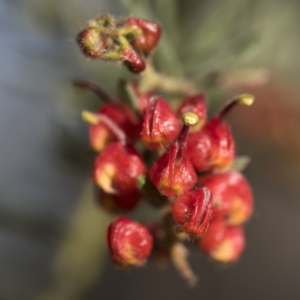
(52, 235)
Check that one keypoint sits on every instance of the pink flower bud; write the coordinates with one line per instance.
(92, 42)
(129, 242)
(195, 104)
(117, 167)
(149, 37)
(212, 147)
(192, 211)
(223, 243)
(232, 196)
(160, 124)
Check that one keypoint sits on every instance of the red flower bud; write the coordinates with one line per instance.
(192, 211)
(160, 125)
(117, 167)
(223, 243)
(149, 37)
(212, 147)
(129, 242)
(101, 134)
(133, 61)
(122, 116)
(232, 196)
(92, 42)
(173, 174)
(117, 203)
(197, 105)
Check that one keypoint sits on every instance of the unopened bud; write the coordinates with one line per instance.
(117, 167)
(149, 37)
(92, 42)
(129, 242)
(223, 243)
(160, 124)
(133, 61)
(192, 211)
(232, 196)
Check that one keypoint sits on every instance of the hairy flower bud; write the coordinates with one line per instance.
(117, 167)
(92, 42)
(232, 196)
(212, 147)
(197, 105)
(192, 211)
(133, 61)
(223, 243)
(160, 124)
(129, 242)
(149, 37)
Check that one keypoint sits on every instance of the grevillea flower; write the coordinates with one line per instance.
(173, 173)
(160, 124)
(213, 148)
(129, 242)
(192, 211)
(232, 196)
(223, 243)
(148, 37)
(209, 205)
(117, 167)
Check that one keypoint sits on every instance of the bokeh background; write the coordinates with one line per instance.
(52, 235)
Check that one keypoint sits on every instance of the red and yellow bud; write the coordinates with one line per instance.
(192, 211)
(129, 242)
(117, 167)
(149, 36)
(173, 174)
(212, 148)
(232, 196)
(195, 104)
(122, 116)
(101, 134)
(223, 243)
(160, 124)
(92, 42)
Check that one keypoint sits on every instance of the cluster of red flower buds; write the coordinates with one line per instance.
(125, 40)
(178, 161)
